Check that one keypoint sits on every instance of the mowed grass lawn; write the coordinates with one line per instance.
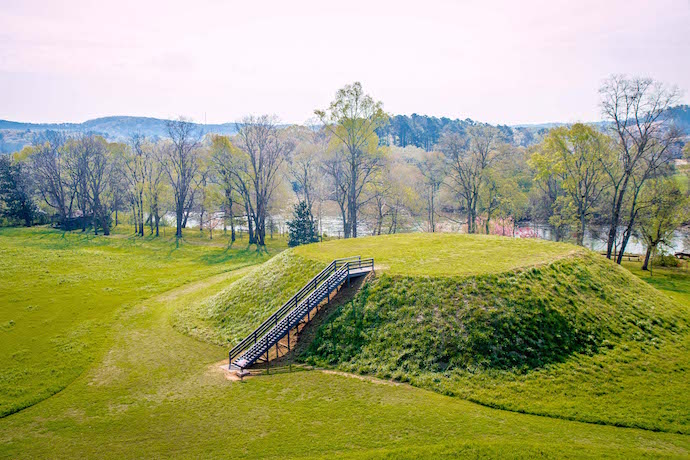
(60, 292)
(440, 254)
(154, 392)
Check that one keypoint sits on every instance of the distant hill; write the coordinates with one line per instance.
(422, 131)
(681, 116)
(15, 135)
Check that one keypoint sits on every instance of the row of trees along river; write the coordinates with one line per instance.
(618, 183)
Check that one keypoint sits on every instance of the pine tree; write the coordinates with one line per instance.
(301, 227)
(16, 203)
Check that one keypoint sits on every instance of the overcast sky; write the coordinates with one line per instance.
(496, 61)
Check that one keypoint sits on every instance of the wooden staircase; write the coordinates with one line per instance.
(257, 344)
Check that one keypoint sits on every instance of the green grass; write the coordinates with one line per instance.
(440, 254)
(60, 292)
(157, 393)
(150, 391)
(229, 316)
(580, 339)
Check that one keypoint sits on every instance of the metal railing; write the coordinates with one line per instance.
(295, 300)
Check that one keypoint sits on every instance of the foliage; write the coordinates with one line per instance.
(664, 208)
(301, 226)
(16, 201)
(352, 119)
(636, 109)
(575, 157)
(666, 260)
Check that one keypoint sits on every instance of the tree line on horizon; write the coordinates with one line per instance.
(357, 162)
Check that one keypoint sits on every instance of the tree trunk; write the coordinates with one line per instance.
(615, 216)
(646, 258)
(581, 233)
(178, 216)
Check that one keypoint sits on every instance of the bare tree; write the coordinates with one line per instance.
(77, 156)
(635, 109)
(136, 161)
(181, 164)
(48, 166)
(469, 158)
(266, 150)
(154, 184)
(433, 170)
(98, 171)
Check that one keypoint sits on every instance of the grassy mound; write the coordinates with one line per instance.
(227, 317)
(244, 304)
(516, 320)
(525, 325)
(579, 338)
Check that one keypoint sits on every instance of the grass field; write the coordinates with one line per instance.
(149, 391)
(61, 292)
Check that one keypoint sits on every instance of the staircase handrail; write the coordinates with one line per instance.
(292, 303)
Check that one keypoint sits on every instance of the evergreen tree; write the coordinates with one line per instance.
(15, 193)
(301, 227)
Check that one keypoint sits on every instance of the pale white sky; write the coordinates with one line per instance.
(496, 61)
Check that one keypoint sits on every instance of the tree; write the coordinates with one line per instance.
(663, 207)
(575, 156)
(97, 178)
(181, 164)
(353, 118)
(136, 161)
(301, 227)
(47, 160)
(433, 170)
(304, 164)
(16, 201)
(634, 108)
(77, 159)
(265, 150)
(469, 159)
(222, 159)
(154, 184)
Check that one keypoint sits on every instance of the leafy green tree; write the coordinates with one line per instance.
(353, 119)
(574, 155)
(301, 227)
(16, 202)
(663, 209)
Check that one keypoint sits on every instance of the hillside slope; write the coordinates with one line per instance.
(579, 338)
